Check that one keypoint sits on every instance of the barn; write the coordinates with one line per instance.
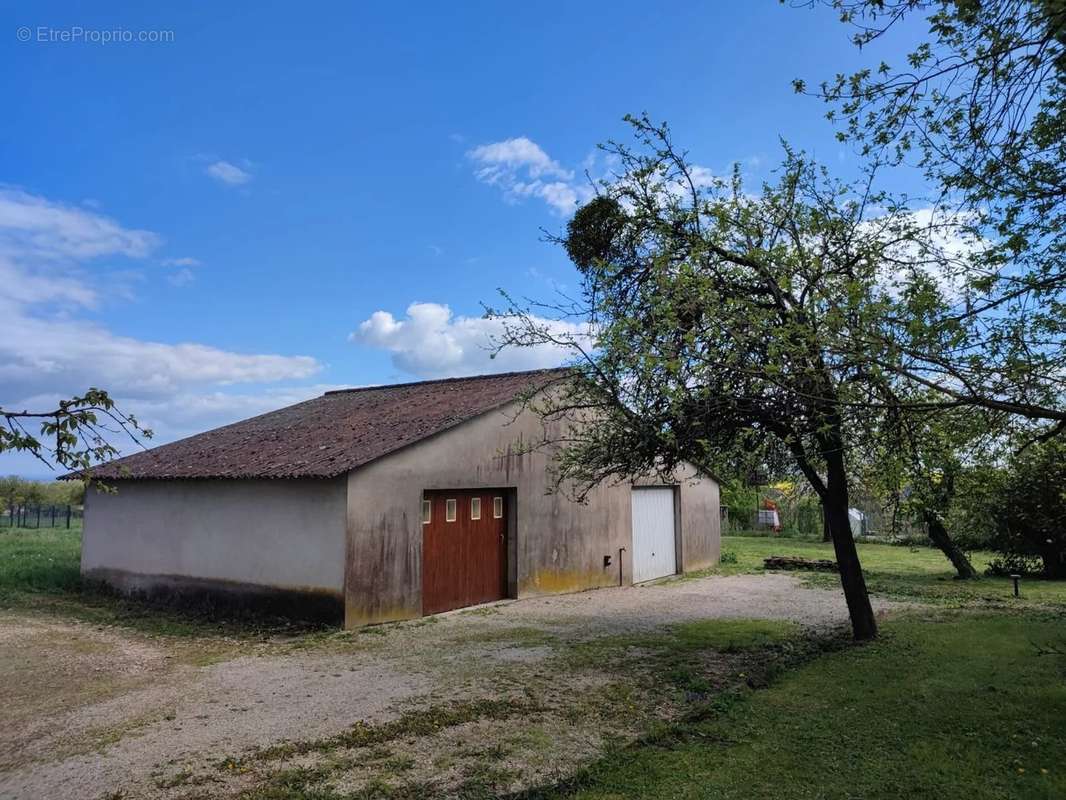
(385, 503)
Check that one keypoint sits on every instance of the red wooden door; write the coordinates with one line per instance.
(464, 549)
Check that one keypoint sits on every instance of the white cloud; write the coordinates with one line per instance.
(511, 155)
(936, 244)
(227, 173)
(183, 277)
(39, 354)
(431, 342)
(185, 261)
(520, 168)
(561, 196)
(21, 287)
(186, 413)
(49, 350)
(174, 416)
(31, 226)
(702, 177)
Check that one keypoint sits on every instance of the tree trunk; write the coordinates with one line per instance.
(835, 504)
(1054, 564)
(938, 533)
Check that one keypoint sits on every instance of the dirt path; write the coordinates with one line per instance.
(93, 711)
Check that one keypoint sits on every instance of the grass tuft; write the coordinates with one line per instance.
(418, 722)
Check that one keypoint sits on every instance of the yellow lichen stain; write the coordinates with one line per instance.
(193, 583)
(563, 581)
(359, 616)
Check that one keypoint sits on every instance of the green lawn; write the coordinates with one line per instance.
(965, 698)
(959, 705)
(908, 573)
(38, 561)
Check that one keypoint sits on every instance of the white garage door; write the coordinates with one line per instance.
(654, 548)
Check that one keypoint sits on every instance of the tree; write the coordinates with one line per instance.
(75, 435)
(978, 108)
(980, 104)
(919, 462)
(12, 494)
(727, 324)
(1030, 506)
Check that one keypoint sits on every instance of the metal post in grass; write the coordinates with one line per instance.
(1017, 579)
(68, 515)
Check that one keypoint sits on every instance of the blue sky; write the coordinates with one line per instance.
(200, 225)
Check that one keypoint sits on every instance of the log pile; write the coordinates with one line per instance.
(795, 562)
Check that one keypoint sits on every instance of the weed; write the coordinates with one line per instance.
(517, 636)
(182, 778)
(400, 763)
(481, 611)
(419, 722)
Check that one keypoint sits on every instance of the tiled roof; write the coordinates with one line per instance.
(331, 434)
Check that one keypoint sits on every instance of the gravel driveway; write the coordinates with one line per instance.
(120, 711)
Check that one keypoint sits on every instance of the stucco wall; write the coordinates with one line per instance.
(278, 534)
(555, 545)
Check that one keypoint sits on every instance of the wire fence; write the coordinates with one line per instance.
(868, 520)
(803, 521)
(40, 516)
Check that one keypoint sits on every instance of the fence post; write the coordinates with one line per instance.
(68, 515)
(38, 515)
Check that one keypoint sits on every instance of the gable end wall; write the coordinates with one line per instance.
(555, 545)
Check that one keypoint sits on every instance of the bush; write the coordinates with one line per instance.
(1019, 511)
(1009, 564)
(1032, 518)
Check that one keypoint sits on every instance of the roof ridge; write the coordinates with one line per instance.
(454, 379)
